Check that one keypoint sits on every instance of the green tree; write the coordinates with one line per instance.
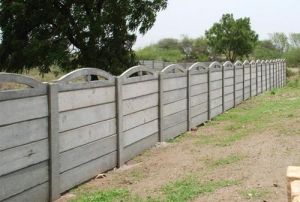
(168, 43)
(201, 49)
(186, 45)
(280, 41)
(233, 38)
(265, 50)
(72, 34)
(295, 40)
(293, 57)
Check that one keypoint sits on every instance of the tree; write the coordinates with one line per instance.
(187, 46)
(201, 49)
(71, 34)
(280, 41)
(295, 40)
(265, 50)
(233, 38)
(168, 43)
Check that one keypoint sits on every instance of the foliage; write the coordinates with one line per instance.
(293, 57)
(72, 34)
(174, 50)
(233, 38)
(168, 43)
(280, 41)
(290, 73)
(266, 50)
(153, 52)
(295, 40)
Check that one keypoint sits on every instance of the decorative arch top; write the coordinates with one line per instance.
(174, 68)
(263, 62)
(35, 87)
(246, 62)
(238, 64)
(86, 72)
(228, 65)
(198, 67)
(139, 71)
(20, 79)
(215, 66)
(258, 62)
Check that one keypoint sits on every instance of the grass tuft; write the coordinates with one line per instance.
(190, 188)
(254, 193)
(226, 161)
(104, 196)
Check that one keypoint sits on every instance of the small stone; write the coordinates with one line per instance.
(100, 176)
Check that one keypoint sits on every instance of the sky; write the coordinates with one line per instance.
(193, 17)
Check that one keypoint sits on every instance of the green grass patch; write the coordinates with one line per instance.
(104, 196)
(221, 141)
(178, 191)
(190, 188)
(137, 175)
(255, 115)
(226, 161)
(254, 193)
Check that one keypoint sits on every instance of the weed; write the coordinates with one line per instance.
(137, 175)
(190, 188)
(104, 196)
(226, 161)
(254, 193)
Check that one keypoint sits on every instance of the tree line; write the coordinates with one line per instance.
(229, 39)
(101, 33)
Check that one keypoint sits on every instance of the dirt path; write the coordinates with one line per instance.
(250, 147)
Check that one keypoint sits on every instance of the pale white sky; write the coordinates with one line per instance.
(193, 17)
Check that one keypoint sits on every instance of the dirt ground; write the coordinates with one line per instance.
(256, 158)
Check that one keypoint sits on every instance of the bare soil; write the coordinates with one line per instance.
(264, 156)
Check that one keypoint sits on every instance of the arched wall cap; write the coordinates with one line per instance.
(252, 62)
(140, 68)
(246, 62)
(172, 67)
(238, 63)
(258, 61)
(215, 65)
(85, 72)
(198, 66)
(20, 79)
(263, 62)
(228, 65)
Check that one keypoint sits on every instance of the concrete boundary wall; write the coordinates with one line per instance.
(57, 135)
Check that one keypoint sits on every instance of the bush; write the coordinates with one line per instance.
(293, 57)
(290, 73)
(155, 53)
